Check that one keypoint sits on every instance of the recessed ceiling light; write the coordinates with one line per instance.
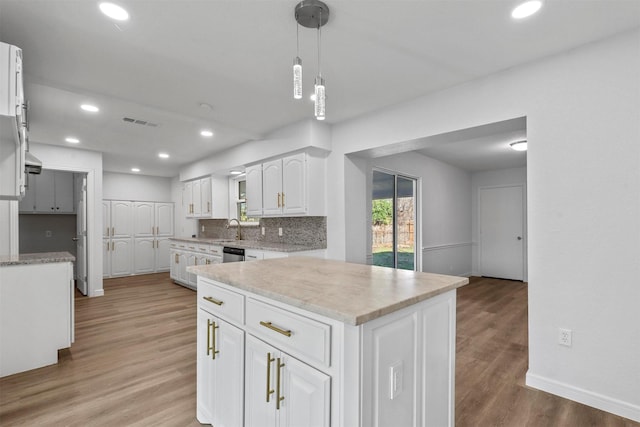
(72, 140)
(114, 11)
(163, 155)
(525, 9)
(519, 145)
(90, 108)
(206, 133)
(135, 170)
(235, 172)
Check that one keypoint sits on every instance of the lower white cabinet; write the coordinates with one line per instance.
(298, 368)
(182, 255)
(151, 255)
(282, 391)
(121, 257)
(220, 371)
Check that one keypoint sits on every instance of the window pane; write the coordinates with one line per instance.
(242, 190)
(405, 218)
(382, 219)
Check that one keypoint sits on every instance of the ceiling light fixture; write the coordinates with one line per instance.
(135, 170)
(114, 11)
(206, 133)
(235, 172)
(519, 145)
(311, 14)
(90, 108)
(525, 9)
(72, 140)
(163, 155)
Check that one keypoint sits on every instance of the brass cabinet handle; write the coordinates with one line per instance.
(213, 300)
(157, 231)
(209, 348)
(107, 228)
(177, 259)
(283, 200)
(278, 396)
(275, 328)
(113, 246)
(269, 360)
(113, 231)
(208, 207)
(278, 199)
(192, 248)
(213, 341)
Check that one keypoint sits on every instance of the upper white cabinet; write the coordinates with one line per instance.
(49, 192)
(13, 124)
(152, 219)
(206, 198)
(288, 186)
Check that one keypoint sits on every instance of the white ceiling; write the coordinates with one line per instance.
(236, 56)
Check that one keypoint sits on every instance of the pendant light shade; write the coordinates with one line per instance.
(319, 102)
(297, 78)
(310, 14)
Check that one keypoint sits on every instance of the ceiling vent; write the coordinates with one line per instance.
(140, 122)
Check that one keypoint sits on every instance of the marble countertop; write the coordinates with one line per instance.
(249, 244)
(350, 293)
(36, 258)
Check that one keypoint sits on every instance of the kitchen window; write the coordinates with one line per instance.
(241, 202)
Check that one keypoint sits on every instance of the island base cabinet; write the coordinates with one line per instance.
(281, 391)
(220, 372)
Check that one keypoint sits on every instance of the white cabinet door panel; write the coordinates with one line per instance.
(143, 219)
(258, 411)
(144, 255)
(272, 187)
(294, 183)
(162, 254)
(121, 218)
(121, 257)
(164, 219)
(254, 190)
(306, 393)
(63, 192)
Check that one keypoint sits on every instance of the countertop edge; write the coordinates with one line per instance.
(36, 258)
(251, 244)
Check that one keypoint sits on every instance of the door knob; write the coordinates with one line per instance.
(75, 239)
(519, 238)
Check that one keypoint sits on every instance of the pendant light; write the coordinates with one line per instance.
(311, 14)
(297, 68)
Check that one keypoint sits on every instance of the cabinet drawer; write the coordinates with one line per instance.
(227, 304)
(298, 335)
(202, 248)
(215, 250)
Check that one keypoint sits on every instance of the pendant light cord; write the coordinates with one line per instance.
(319, 42)
(297, 39)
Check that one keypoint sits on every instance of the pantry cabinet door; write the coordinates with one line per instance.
(164, 219)
(121, 218)
(143, 219)
(144, 255)
(163, 255)
(121, 257)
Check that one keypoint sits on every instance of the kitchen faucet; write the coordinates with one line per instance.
(239, 232)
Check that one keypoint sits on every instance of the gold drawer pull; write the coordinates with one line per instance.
(213, 300)
(275, 328)
(278, 396)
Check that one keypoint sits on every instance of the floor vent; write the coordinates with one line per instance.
(140, 122)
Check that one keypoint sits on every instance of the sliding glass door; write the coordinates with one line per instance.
(393, 220)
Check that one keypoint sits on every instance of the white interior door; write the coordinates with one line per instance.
(81, 236)
(501, 214)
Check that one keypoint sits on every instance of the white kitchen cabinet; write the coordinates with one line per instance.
(206, 198)
(163, 218)
(253, 180)
(106, 257)
(36, 314)
(220, 377)
(49, 192)
(147, 225)
(13, 123)
(144, 255)
(121, 218)
(288, 186)
(122, 253)
(183, 254)
(299, 395)
(304, 369)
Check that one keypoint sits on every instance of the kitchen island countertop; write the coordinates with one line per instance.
(351, 293)
(36, 258)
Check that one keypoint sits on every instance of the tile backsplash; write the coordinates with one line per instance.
(304, 230)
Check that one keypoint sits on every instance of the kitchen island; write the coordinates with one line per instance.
(36, 309)
(316, 342)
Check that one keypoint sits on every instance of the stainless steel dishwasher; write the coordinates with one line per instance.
(232, 254)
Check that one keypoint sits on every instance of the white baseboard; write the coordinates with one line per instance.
(98, 293)
(595, 400)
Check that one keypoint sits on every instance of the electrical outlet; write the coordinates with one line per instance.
(263, 231)
(395, 380)
(280, 231)
(564, 337)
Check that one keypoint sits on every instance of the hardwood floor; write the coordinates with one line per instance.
(133, 363)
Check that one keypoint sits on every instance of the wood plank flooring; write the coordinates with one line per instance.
(133, 364)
